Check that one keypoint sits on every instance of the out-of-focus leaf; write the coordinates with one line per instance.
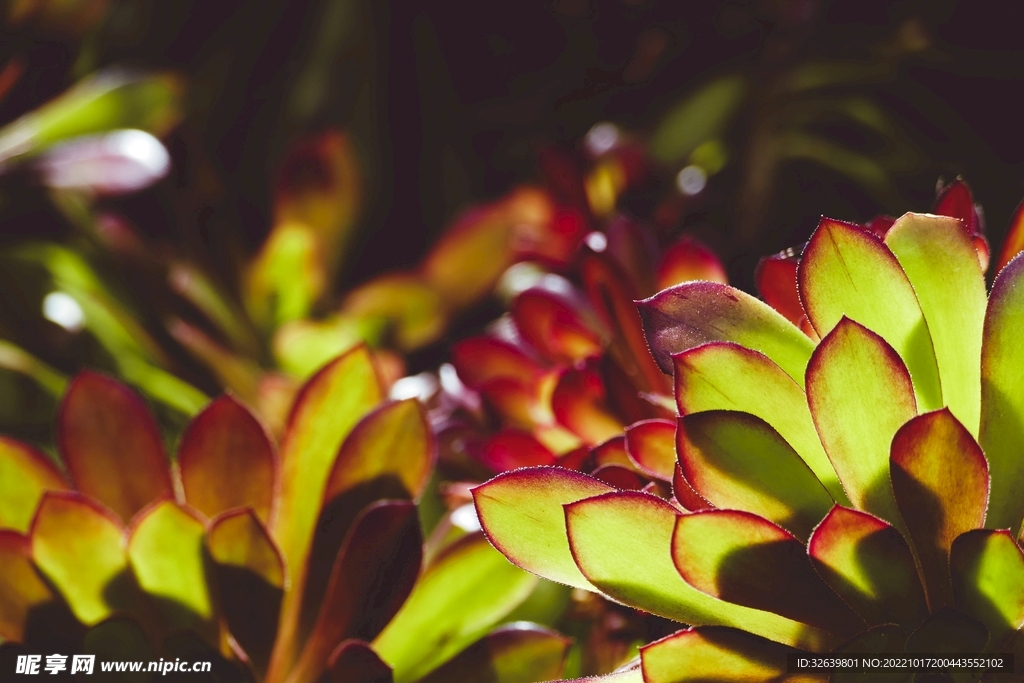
(21, 589)
(25, 475)
(726, 376)
(746, 560)
(776, 282)
(239, 374)
(227, 461)
(482, 359)
(1014, 242)
(518, 653)
(941, 482)
(847, 272)
(105, 101)
(623, 544)
(942, 265)
(867, 171)
(533, 499)
(461, 596)
(354, 661)
(824, 73)
(725, 655)
(402, 305)
(17, 359)
(118, 162)
(552, 327)
(651, 445)
(622, 478)
(250, 579)
(580, 404)
(286, 278)
(112, 445)
(860, 393)
(199, 290)
(704, 114)
(988, 581)
(510, 449)
(69, 528)
(737, 461)
(119, 639)
(688, 260)
(1002, 396)
(689, 315)
(867, 562)
(371, 577)
(612, 452)
(165, 549)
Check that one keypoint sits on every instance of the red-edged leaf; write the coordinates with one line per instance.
(696, 313)
(354, 661)
(860, 393)
(552, 327)
(21, 589)
(227, 461)
(510, 449)
(687, 260)
(737, 461)
(776, 283)
(111, 445)
(940, 479)
(622, 478)
(847, 272)
(580, 405)
(479, 360)
(987, 568)
(532, 499)
(745, 559)
(612, 452)
(250, 577)
(25, 475)
(869, 564)
(518, 653)
(371, 577)
(1014, 242)
(956, 200)
(721, 654)
(651, 445)
(685, 494)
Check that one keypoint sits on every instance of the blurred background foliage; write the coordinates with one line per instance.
(307, 147)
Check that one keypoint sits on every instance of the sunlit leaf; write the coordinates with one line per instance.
(286, 278)
(511, 449)
(623, 543)
(688, 260)
(988, 581)
(737, 461)
(846, 272)
(518, 653)
(461, 596)
(651, 445)
(112, 445)
(689, 315)
(629, 674)
(746, 560)
(227, 461)
(941, 482)
(25, 475)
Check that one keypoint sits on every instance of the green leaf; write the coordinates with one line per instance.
(737, 461)
(521, 513)
(746, 560)
(17, 359)
(518, 653)
(1002, 396)
(623, 544)
(725, 376)
(651, 447)
(940, 479)
(250, 581)
(79, 547)
(21, 589)
(703, 115)
(941, 263)
(112, 446)
(695, 313)
(25, 475)
(354, 661)
(165, 549)
(629, 674)
(988, 581)
(720, 654)
(869, 564)
(460, 597)
(847, 272)
(227, 461)
(860, 394)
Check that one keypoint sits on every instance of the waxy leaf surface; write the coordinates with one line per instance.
(651, 445)
(737, 461)
(939, 259)
(846, 272)
(747, 560)
(623, 544)
(518, 653)
(461, 596)
(696, 313)
(860, 393)
(941, 481)
(25, 475)
(988, 581)
(869, 565)
(724, 376)
(227, 461)
(521, 513)
(111, 445)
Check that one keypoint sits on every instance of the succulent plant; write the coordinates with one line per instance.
(854, 487)
(279, 565)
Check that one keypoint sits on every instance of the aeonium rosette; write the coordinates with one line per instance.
(850, 489)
